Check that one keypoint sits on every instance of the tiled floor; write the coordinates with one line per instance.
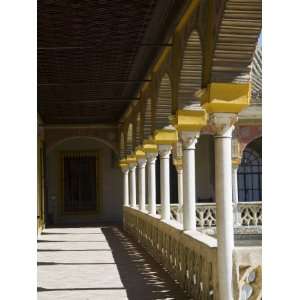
(98, 263)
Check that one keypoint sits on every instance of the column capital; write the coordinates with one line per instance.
(189, 139)
(123, 166)
(132, 166)
(151, 157)
(223, 123)
(125, 170)
(178, 163)
(142, 162)
(179, 168)
(164, 150)
(236, 163)
(177, 151)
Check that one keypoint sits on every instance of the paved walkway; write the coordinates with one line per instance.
(98, 263)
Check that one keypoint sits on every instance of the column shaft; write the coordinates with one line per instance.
(132, 187)
(189, 193)
(235, 193)
(125, 188)
(142, 187)
(164, 155)
(151, 158)
(223, 193)
(180, 194)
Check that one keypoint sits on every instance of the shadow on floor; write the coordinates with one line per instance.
(141, 276)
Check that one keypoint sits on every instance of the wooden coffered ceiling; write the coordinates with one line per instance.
(93, 55)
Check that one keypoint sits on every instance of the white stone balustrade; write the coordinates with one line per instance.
(249, 214)
(191, 257)
(247, 273)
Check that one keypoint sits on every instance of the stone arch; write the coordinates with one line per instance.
(129, 139)
(237, 35)
(253, 135)
(102, 141)
(255, 143)
(190, 79)
(163, 108)
(147, 119)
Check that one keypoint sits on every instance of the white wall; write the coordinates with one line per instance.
(110, 182)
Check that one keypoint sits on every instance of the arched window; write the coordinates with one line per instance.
(249, 176)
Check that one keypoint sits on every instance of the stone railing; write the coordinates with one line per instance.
(247, 214)
(189, 257)
(247, 273)
(250, 213)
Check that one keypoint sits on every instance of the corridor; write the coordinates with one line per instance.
(98, 263)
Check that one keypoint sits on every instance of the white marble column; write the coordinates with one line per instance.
(132, 185)
(235, 193)
(142, 183)
(180, 192)
(164, 156)
(151, 159)
(235, 197)
(125, 187)
(189, 140)
(223, 123)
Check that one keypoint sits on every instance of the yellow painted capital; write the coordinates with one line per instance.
(123, 164)
(131, 159)
(190, 120)
(139, 153)
(165, 136)
(149, 146)
(178, 163)
(236, 162)
(226, 97)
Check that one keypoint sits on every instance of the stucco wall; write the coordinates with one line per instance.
(110, 182)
